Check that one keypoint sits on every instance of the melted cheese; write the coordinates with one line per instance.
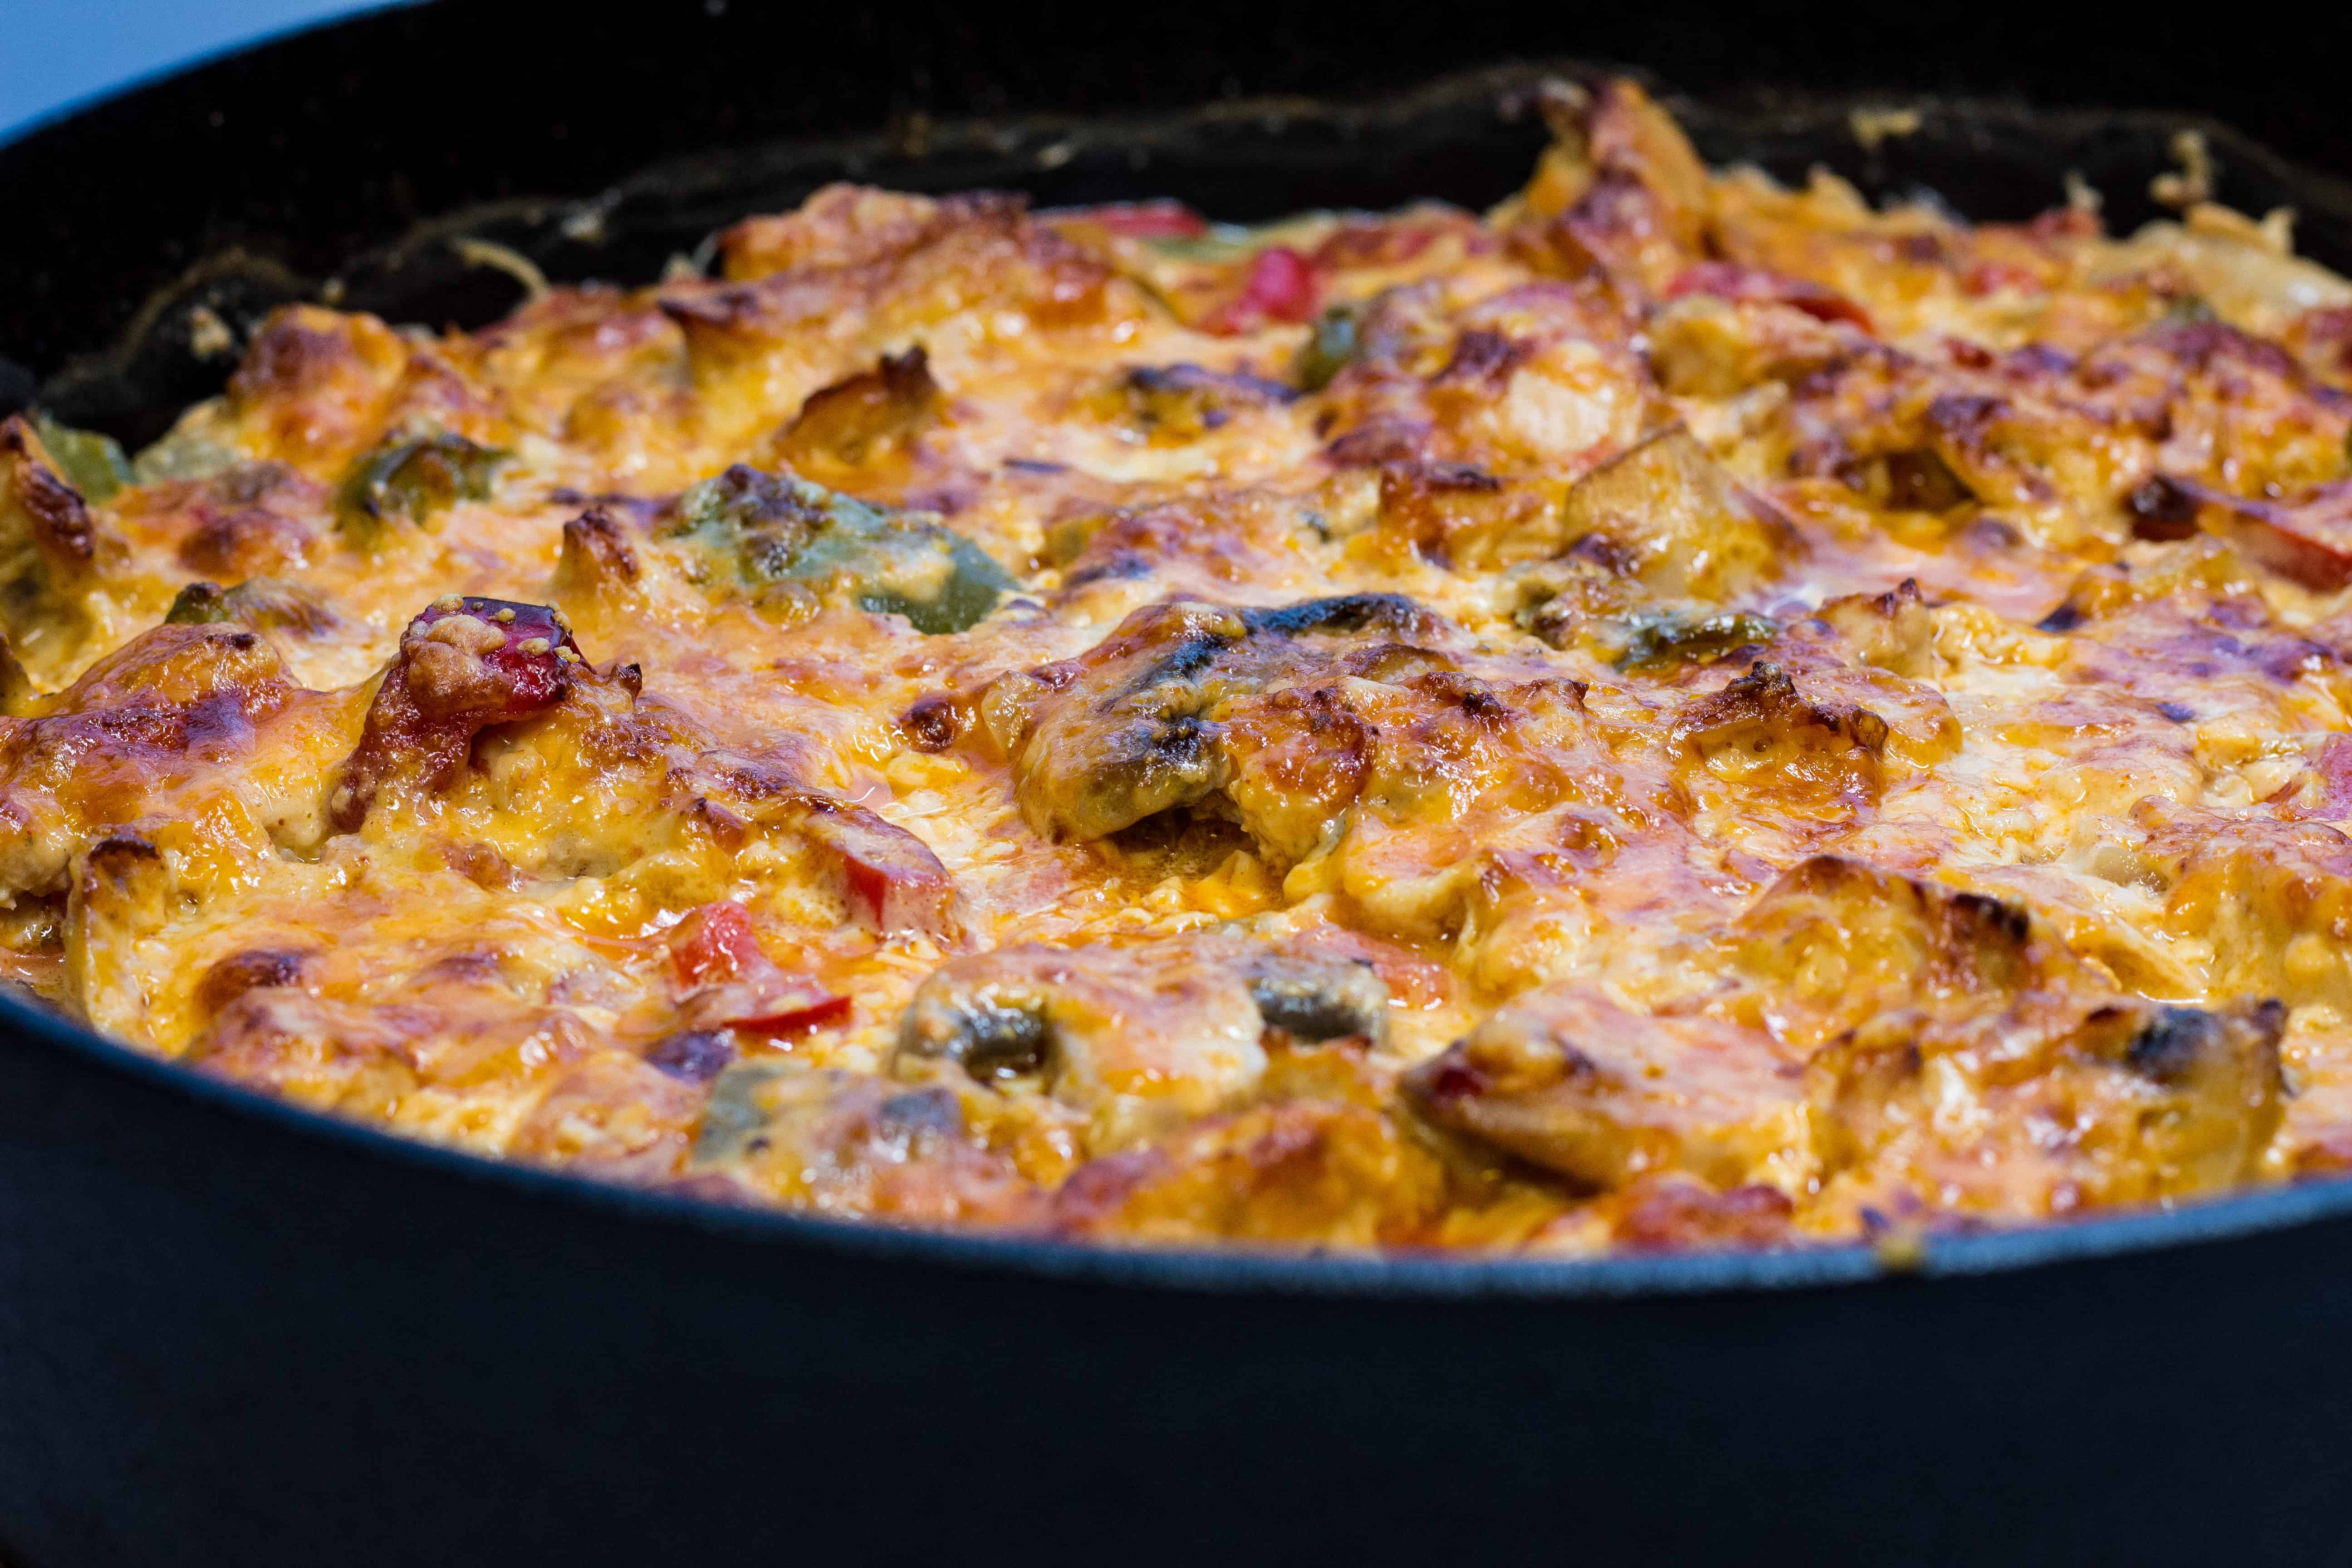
(1681, 713)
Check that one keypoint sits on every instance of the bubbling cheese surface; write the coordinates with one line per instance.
(1679, 712)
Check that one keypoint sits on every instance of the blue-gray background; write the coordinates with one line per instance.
(56, 52)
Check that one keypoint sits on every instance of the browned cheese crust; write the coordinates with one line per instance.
(1679, 712)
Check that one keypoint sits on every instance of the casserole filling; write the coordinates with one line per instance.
(1676, 713)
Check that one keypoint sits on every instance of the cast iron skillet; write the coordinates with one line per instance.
(233, 1332)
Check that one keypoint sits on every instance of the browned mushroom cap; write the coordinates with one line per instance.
(1124, 731)
(1571, 1081)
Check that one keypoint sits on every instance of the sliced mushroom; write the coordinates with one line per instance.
(1179, 403)
(847, 1142)
(1139, 1039)
(1126, 731)
(2054, 1103)
(264, 604)
(1571, 1081)
(1318, 998)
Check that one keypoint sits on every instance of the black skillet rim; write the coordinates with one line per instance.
(1404, 1275)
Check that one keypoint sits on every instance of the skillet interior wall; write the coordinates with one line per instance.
(308, 150)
